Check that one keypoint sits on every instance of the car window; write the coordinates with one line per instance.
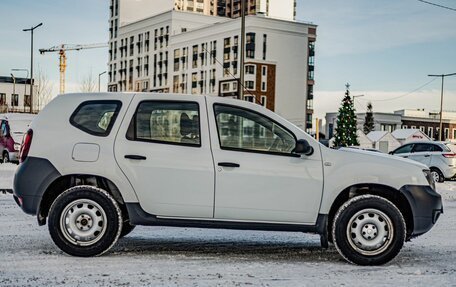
(423, 147)
(241, 129)
(96, 117)
(440, 148)
(166, 122)
(404, 149)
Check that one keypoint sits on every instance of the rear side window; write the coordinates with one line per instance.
(96, 117)
(423, 148)
(166, 122)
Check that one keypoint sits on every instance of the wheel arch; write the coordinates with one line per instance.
(387, 192)
(62, 183)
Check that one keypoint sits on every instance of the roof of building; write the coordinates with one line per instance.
(406, 133)
(10, 80)
(375, 136)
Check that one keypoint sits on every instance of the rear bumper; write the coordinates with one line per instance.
(426, 205)
(31, 180)
(449, 173)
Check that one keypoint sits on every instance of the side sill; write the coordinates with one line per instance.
(139, 217)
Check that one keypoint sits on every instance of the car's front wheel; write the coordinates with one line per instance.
(369, 230)
(85, 221)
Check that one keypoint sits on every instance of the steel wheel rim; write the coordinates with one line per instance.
(83, 222)
(435, 176)
(370, 232)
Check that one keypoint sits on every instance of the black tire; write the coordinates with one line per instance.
(127, 228)
(361, 222)
(81, 206)
(440, 177)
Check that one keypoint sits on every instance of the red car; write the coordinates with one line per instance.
(12, 130)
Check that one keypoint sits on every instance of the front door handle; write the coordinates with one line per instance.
(428, 155)
(229, 164)
(135, 157)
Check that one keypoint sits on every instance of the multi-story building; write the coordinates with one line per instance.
(426, 121)
(15, 95)
(193, 53)
(280, 9)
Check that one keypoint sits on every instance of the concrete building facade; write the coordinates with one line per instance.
(193, 53)
(15, 95)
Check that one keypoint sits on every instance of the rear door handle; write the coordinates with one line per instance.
(428, 155)
(135, 157)
(229, 164)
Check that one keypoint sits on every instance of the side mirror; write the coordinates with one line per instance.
(303, 147)
(391, 152)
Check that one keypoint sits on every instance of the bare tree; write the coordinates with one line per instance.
(88, 84)
(44, 90)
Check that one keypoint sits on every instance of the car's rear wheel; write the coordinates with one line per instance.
(85, 221)
(437, 175)
(369, 230)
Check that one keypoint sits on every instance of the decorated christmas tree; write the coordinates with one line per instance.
(369, 120)
(345, 134)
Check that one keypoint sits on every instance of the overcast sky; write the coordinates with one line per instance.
(384, 49)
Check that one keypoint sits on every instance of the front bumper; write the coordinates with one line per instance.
(426, 205)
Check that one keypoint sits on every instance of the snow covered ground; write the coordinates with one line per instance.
(158, 256)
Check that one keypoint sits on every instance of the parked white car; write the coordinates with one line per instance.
(120, 160)
(438, 156)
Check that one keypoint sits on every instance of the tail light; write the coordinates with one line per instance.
(449, 155)
(25, 147)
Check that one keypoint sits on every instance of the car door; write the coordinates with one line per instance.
(403, 151)
(421, 152)
(258, 178)
(164, 150)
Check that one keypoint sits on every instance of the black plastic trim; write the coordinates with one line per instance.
(138, 216)
(31, 180)
(426, 205)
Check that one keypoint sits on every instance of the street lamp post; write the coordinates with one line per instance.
(99, 80)
(358, 96)
(441, 101)
(242, 62)
(14, 87)
(31, 63)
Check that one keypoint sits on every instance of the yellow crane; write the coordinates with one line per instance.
(61, 49)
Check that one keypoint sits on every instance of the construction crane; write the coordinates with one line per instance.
(61, 49)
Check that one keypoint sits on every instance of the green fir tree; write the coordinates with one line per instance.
(369, 120)
(345, 134)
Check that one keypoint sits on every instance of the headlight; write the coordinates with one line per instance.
(17, 147)
(430, 179)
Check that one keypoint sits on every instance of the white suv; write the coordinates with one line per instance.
(95, 165)
(438, 156)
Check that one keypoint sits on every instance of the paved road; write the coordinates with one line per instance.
(158, 256)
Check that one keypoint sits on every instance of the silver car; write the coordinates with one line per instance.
(439, 156)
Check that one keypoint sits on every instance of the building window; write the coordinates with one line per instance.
(263, 86)
(446, 134)
(26, 100)
(250, 70)
(423, 129)
(265, 71)
(265, 40)
(194, 83)
(14, 100)
(250, 46)
(264, 101)
(454, 134)
(225, 87)
(431, 132)
(2, 99)
(195, 57)
(250, 85)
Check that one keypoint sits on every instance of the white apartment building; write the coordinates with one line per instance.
(192, 53)
(15, 95)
